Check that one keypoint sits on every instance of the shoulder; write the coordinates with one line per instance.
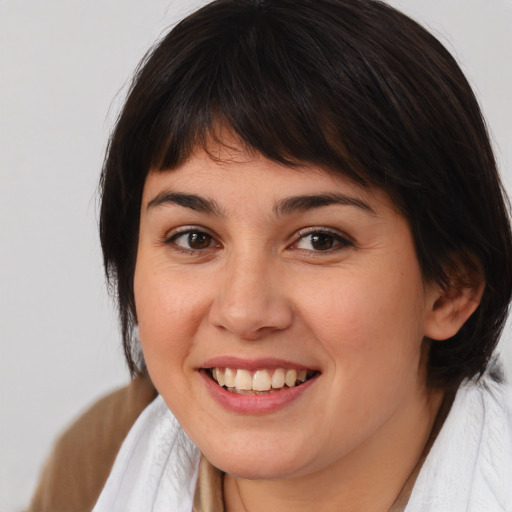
(471, 459)
(82, 457)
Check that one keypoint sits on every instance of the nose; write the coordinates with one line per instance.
(251, 302)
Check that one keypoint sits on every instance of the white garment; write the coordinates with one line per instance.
(156, 468)
(468, 469)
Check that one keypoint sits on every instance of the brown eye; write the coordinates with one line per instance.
(192, 240)
(321, 241)
(199, 240)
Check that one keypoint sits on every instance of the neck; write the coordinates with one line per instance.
(369, 478)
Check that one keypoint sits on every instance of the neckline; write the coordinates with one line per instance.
(209, 495)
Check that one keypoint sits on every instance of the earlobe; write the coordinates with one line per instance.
(450, 308)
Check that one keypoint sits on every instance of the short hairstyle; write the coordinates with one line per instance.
(353, 86)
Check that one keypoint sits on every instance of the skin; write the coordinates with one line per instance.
(258, 286)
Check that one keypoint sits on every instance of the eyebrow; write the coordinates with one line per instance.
(298, 204)
(192, 201)
(287, 206)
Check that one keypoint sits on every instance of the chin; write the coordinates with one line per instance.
(257, 464)
(256, 471)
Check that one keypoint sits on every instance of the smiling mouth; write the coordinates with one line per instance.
(259, 382)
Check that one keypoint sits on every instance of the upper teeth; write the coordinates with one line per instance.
(260, 380)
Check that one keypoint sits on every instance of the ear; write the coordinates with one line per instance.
(450, 307)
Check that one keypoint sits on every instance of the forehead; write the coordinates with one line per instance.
(232, 175)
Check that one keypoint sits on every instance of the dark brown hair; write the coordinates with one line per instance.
(350, 85)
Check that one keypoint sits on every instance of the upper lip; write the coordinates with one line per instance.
(253, 364)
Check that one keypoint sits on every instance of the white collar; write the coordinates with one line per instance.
(468, 469)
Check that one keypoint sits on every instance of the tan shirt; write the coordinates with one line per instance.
(84, 454)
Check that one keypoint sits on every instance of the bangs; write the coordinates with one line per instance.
(259, 81)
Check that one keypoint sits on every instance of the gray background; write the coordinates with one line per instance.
(63, 72)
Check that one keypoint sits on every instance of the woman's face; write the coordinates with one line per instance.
(255, 274)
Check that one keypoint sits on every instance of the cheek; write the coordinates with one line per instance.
(368, 319)
(168, 313)
(372, 335)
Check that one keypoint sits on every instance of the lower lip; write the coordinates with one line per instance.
(255, 404)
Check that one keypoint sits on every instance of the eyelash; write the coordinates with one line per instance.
(337, 240)
(183, 232)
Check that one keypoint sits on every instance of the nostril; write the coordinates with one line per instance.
(251, 318)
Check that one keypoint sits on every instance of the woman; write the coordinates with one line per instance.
(302, 217)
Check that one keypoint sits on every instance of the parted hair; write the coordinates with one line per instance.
(353, 86)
